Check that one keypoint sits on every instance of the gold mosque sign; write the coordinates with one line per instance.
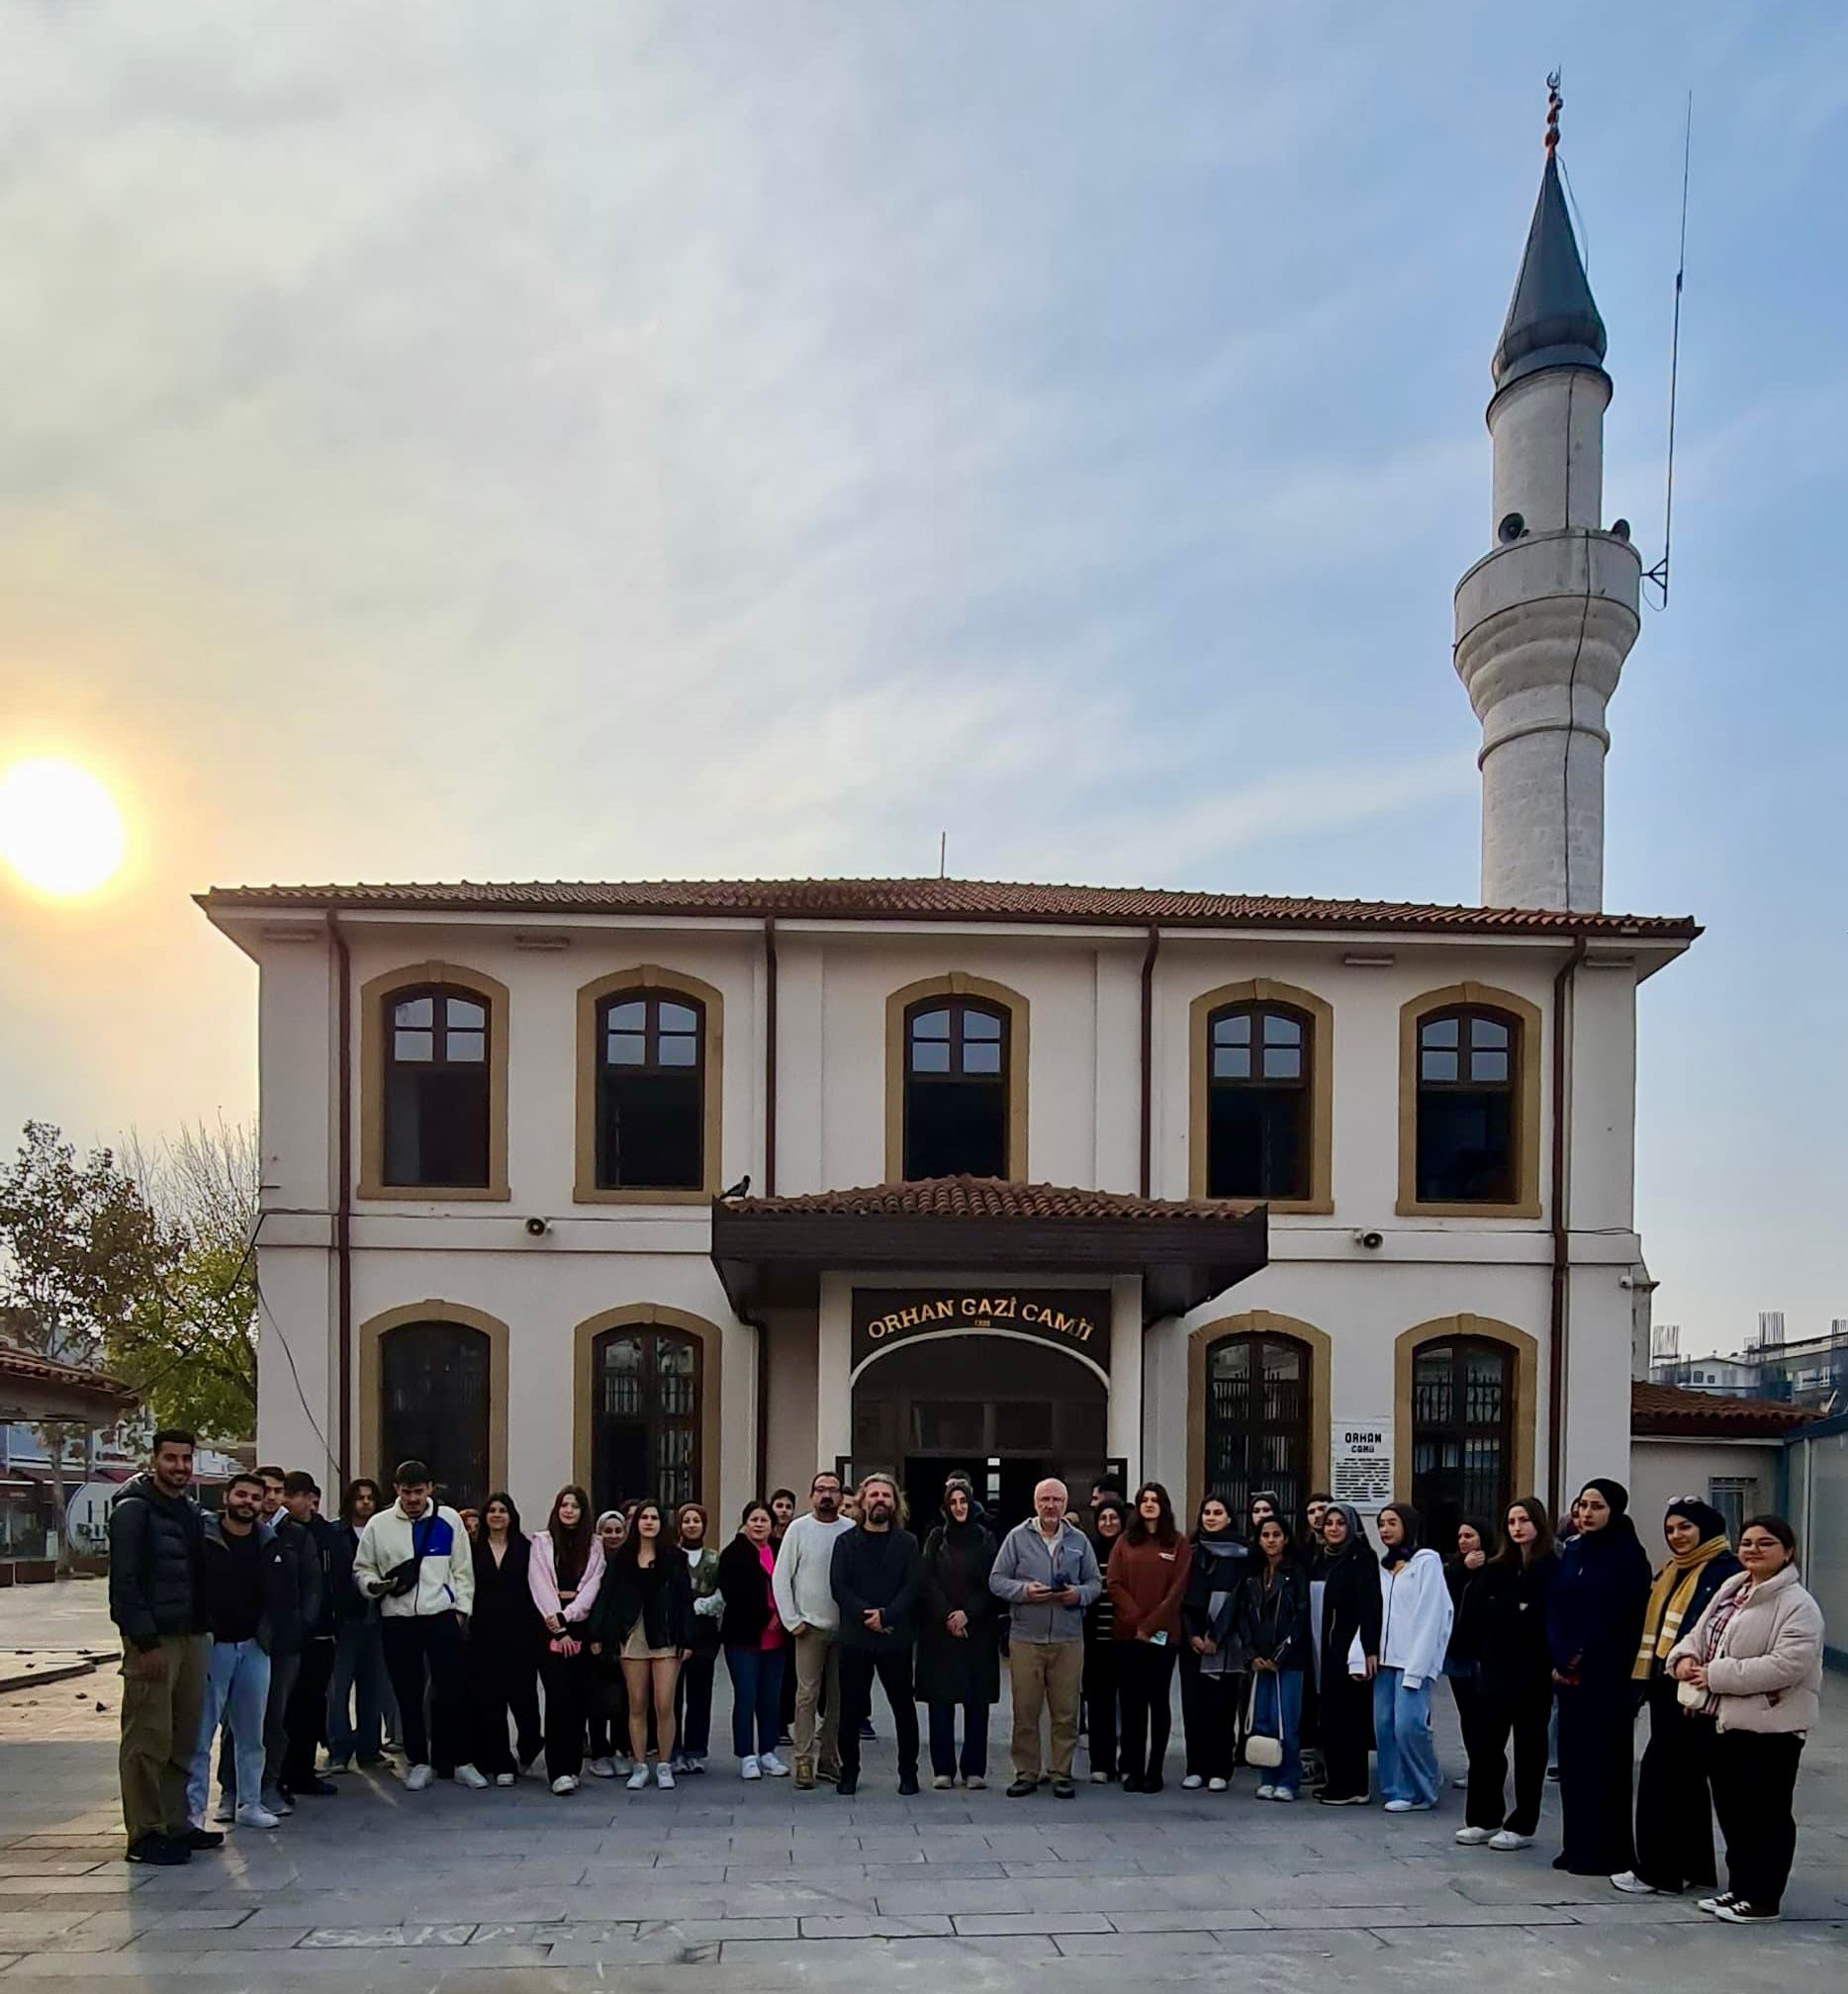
(1077, 1319)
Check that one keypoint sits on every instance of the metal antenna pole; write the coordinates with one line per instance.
(1658, 575)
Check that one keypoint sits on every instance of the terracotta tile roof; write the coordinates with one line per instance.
(1673, 1410)
(23, 1364)
(995, 1198)
(945, 900)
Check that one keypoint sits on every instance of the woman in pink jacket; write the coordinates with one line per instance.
(1753, 1663)
(565, 1572)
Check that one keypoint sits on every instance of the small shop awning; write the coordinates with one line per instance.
(770, 1252)
(33, 1388)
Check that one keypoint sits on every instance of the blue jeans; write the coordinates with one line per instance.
(358, 1679)
(943, 1760)
(237, 1687)
(1283, 1686)
(1402, 1737)
(756, 1694)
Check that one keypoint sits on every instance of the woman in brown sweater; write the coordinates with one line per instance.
(1148, 1575)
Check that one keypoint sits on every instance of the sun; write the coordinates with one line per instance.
(60, 829)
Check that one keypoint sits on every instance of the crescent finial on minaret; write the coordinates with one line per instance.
(1554, 105)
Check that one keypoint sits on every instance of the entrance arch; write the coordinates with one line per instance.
(1006, 1410)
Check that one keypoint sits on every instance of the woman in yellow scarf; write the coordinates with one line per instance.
(1674, 1808)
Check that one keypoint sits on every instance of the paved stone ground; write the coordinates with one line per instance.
(726, 1886)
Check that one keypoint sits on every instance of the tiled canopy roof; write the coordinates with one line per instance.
(986, 1198)
(24, 1365)
(943, 900)
(1673, 1410)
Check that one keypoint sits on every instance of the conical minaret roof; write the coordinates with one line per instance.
(1552, 319)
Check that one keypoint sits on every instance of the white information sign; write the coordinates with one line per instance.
(1361, 1463)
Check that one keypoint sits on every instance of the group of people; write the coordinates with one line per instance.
(592, 1646)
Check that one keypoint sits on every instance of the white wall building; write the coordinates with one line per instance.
(1349, 1187)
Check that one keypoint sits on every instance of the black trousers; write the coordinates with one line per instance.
(304, 1723)
(1754, 1778)
(1674, 1806)
(1102, 1703)
(1147, 1674)
(1346, 1730)
(1597, 1760)
(502, 1682)
(1212, 1712)
(420, 1650)
(892, 1666)
(693, 1703)
(1491, 1716)
(570, 1683)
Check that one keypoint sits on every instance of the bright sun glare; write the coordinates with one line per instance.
(59, 828)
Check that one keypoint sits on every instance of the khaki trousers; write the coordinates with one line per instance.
(817, 1656)
(159, 1731)
(1044, 1676)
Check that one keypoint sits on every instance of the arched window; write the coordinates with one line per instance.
(956, 1089)
(1258, 1096)
(1258, 1411)
(1462, 1434)
(650, 1092)
(435, 1404)
(1468, 1141)
(646, 1414)
(436, 1087)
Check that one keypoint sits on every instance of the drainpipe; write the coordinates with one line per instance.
(343, 1195)
(1147, 1122)
(1563, 1243)
(769, 1056)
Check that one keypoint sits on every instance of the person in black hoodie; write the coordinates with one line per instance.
(1350, 1612)
(1272, 1626)
(1674, 1796)
(877, 1577)
(306, 1725)
(1595, 1626)
(505, 1636)
(356, 1696)
(959, 1657)
(1213, 1668)
(1475, 1542)
(1103, 1692)
(1507, 1604)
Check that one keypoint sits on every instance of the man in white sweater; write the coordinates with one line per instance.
(803, 1585)
(415, 1559)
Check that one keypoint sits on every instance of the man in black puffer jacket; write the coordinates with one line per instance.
(154, 1537)
(876, 1574)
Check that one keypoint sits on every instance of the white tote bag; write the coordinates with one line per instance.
(1260, 1748)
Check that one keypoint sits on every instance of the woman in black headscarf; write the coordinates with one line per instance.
(1595, 1618)
(959, 1657)
(1674, 1805)
(1351, 1653)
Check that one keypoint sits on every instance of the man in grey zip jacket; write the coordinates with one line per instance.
(1047, 1572)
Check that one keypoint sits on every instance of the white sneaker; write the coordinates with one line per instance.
(1267, 1791)
(1193, 1782)
(1505, 1839)
(639, 1779)
(772, 1767)
(1284, 1793)
(417, 1778)
(1473, 1838)
(664, 1778)
(566, 1782)
(505, 1779)
(1632, 1885)
(977, 1784)
(1392, 1806)
(749, 1769)
(256, 1816)
(600, 1769)
(1216, 1785)
(472, 1778)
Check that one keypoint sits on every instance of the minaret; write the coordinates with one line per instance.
(1545, 622)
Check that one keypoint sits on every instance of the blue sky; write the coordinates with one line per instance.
(582, 442)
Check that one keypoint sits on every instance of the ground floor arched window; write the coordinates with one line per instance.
(1258, 1417)
(435, 1404)
(646, 1388)
(1462, 1435)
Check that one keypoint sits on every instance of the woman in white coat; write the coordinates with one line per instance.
(1415, 1630)
(1753, 1663)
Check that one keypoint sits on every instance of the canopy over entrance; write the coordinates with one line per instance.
(770, 1252)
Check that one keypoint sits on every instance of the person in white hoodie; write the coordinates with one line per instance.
(1415, 1631)
(415, 1560)
(802, 1586)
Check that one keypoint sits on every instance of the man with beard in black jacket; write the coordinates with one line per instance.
(154, 1540)
(876, 1576)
